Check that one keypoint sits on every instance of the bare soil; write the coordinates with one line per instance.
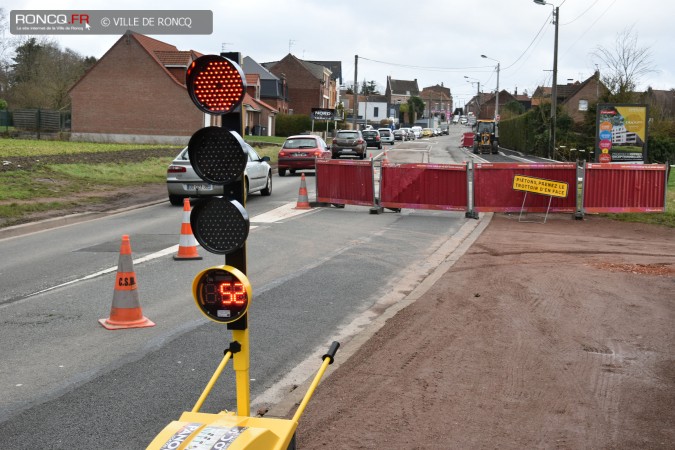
(555, 335)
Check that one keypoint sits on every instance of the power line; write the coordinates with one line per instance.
(433, 69)
(582, 14)
(531, 42)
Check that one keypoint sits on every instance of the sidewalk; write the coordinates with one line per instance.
(555, 335)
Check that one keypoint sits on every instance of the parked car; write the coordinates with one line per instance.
(417, 130)
(411, 133)
(348, 143)
(301, 152)
(372, 138)
(386, 136)
(427, 132)
(182, 181)
(400, 134)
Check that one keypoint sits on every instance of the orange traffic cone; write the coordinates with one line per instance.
(303, 201)
(187, 244)
(126, 309)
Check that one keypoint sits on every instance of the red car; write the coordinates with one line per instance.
(300, 153)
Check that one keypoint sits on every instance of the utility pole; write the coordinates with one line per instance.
(554, 85)
(356, 89)
(496, 96)
(429, 117)
(554, 88)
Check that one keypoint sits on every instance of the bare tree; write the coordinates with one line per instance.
(6, 45)
(625, 65)
(42, 73)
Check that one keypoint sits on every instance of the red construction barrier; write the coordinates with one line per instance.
(619, 188)
(493, 187)
(467, 140)
(424, 186)
(345, 182)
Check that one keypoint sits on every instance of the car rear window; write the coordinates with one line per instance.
(300, 143)
(369, 133)
(348, 134)
(385, 133)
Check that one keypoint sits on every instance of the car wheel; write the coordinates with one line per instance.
(176, 200)
(379, 147)
(282, 172)
(292, 171)
(268, 187)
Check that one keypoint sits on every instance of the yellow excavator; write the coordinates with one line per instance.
(485, 138)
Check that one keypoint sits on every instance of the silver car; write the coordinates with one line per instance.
(182, 181)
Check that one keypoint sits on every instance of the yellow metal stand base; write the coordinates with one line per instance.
(197, 431)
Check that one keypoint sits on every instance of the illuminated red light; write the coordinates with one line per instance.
(232, 293)
(216, 84)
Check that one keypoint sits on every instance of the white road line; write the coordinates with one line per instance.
(286, 211)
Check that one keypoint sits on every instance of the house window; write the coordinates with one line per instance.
(583, 105)
(376, 112)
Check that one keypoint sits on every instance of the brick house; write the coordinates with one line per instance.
(573, 98)
(273, 90)
(136, 93)
(259, 116)
(487, 110)
(310, 85)
(438, 101)
(398, 92)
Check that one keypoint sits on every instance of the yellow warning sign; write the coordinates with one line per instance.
(540, 186)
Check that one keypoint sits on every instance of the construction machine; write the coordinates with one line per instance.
(485, 138)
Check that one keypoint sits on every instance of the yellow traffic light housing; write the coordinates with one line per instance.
(222, 293)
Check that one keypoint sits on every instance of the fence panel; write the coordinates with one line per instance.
(493, 187)
(619, 188)
(345, 182)
(424, 186)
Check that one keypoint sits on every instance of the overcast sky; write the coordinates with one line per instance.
(433, 41)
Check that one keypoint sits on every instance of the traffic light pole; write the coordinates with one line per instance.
(241, 360)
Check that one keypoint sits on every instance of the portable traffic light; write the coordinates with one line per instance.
(217, 86)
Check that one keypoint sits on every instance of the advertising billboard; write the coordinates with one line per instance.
(621, 133)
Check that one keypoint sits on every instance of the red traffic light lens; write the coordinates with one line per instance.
(215, 84)
(222, 293)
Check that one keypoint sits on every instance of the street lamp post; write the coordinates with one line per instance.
(496, 96)
(554, 86)
(477, 93)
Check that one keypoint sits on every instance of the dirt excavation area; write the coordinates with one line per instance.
(555, 335)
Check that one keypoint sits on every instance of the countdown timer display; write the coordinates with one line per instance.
(222, 293)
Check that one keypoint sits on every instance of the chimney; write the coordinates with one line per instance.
(515, 93)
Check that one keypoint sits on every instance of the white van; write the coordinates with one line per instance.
(418, 131)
